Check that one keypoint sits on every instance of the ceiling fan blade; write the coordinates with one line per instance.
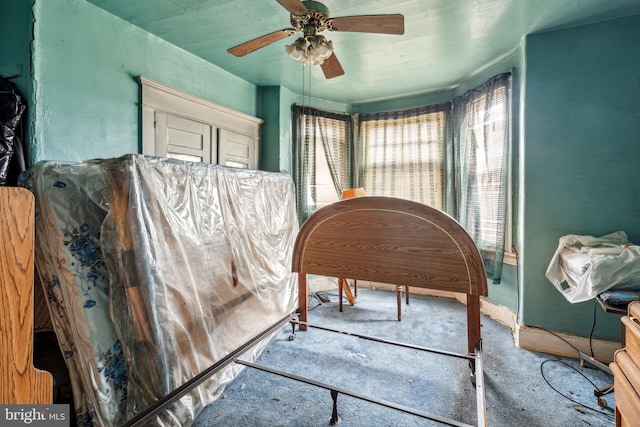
(331, 67)
(294, 7)
(262, 41)
(382, 24)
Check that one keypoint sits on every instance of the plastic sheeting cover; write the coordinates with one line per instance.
(584, 266)
(12, 108)
(198, 259)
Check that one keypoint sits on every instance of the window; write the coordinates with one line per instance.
(323, 153)
(403, 154)
(481, 124)
(452, 156)
(322, 187)
(484, 140)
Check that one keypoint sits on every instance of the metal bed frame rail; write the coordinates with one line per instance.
(380, 239)
(475, 362)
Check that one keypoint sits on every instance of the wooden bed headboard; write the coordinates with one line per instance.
(390, 240)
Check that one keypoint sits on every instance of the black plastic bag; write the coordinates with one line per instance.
(12, 108)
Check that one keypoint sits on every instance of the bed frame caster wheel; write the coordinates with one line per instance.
(293, 332)
(602, 403)
(335, 418)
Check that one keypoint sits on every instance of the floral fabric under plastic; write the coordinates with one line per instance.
(154, 270)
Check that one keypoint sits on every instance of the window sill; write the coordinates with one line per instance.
(510, 258)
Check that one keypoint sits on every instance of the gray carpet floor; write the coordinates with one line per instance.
(522, 388)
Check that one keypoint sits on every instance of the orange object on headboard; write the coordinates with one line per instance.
(350, 193)
(20, 382)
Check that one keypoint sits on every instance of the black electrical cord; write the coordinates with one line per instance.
(562, 339)
(315, 306)
(596, 391)
(597, 411)
(593, 327)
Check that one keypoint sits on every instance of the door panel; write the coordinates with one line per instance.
(237, 150)
(185, 139)
(180, 125)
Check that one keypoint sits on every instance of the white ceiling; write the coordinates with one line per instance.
(445, 41)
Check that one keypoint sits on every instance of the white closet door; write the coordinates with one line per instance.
(237, 150)
(184, 139)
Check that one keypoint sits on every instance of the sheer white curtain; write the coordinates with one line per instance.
(481, 120)
(404, 153)
(323, 152)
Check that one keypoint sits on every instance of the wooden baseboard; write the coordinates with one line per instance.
(560, 344)
(499, 313)
(526, 337)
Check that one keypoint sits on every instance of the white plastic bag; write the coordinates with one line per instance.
(584, 266)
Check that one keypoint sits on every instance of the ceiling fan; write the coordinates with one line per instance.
(312, 17)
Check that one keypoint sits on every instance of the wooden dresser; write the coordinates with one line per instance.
(20, 382)
(626, 370)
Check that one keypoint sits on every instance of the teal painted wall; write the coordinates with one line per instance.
(287, 100)
(581, 157)
(15, 38)
(269, 100)
(86, 102)
(276, 111)
(16, 24)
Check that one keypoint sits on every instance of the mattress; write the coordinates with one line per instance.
(154, 270)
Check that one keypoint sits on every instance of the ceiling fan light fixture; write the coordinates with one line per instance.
(297, 50)
(321, 47)
(310, 51)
